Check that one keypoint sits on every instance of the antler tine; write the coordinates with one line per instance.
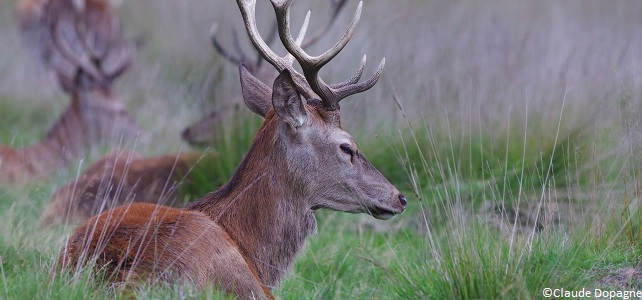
(311, 65)
(355, 78)
(282, 10)
(289, 58)
(345, 90)
(337, 6)
(271, 36)
(124, 55)
(248, 12)
(99, 33)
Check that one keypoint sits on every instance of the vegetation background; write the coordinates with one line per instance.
(514, 125)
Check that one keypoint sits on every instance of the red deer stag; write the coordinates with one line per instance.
(122, 178)
(244, 236)
(207, 131)
(81, 42)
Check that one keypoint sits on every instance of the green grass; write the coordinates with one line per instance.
(17, 118)
(440, 248)
(518, 146)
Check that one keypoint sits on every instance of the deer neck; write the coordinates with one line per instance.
(262, 209)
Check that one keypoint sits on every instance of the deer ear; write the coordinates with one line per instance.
(286, 101)
(256, 94)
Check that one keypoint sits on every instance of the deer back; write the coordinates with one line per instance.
(150, 243)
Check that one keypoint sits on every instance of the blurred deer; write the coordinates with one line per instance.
(122, 178)
(119, 178)
(80, 41)
(243, 237)
(206, 131)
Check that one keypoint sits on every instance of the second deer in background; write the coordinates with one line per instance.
(80, 41)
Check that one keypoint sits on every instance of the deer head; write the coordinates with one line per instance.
(322, 159)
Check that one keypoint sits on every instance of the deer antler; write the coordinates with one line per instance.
(309, 84)
(253, 64)
(311, 65)
(241, 57)
(337, 6)
(281, 63)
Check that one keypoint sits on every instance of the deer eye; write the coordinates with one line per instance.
(346, 149)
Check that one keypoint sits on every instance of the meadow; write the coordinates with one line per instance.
(512, 126)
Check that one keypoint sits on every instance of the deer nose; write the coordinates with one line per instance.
(403, 200)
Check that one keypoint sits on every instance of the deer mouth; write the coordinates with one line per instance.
(382, 213)
(385, 213)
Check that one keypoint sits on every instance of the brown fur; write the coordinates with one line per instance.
(146, 242)
(251, 229)
(120, 178)
(256, 195)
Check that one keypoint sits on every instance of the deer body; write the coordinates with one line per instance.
(244, 236)
(264, 209)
